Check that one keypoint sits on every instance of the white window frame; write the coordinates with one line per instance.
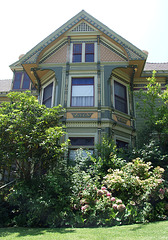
(53, 93)
(95, 89)
(83, 52)
(114, 79)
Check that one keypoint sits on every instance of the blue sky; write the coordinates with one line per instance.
(25, 23)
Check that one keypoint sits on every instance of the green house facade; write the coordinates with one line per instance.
(94, 74)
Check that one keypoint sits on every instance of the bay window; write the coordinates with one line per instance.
(82, 92)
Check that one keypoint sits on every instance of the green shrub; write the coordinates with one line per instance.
(43, 202)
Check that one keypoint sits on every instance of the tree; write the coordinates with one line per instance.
(30, 135)
(154, 108)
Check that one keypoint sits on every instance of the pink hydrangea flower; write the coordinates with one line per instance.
(100, 193)
(103, 188)
(84, 208)
(119, 201)
(115, 206)
(161, 190)
(121, 207)
(113, 199)
(108, 194)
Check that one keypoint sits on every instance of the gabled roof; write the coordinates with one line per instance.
(133, 52)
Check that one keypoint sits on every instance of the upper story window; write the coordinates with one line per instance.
(83, 52)
(82, 94)
(77, 52)
(47, 95)
(89, 52)
(120, 97)
(21, 81)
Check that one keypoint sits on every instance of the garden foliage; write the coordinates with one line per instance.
(30, 136)
(154, 110)
(78, 196)
(102, 189)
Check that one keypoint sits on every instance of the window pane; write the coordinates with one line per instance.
(120, 90)
(82, 92)
(26, 81)
(89, 57)
(73, 153)
(82, 81)
(89, 52)
(120, 97)
(77, 48)
(77, 58)
(17, 80)
(82, 141)
(82, 101)
(85, 91)
(47, 95)
(77, 52)
(48, 103)
(89, 48)
(120, 104)
(121, 144)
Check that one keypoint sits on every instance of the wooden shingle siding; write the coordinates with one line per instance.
(60, 56)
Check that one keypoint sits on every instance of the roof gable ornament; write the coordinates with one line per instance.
(83, 27)
(88, 24)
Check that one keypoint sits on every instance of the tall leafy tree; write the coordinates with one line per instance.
(154, 108)
(30, 136)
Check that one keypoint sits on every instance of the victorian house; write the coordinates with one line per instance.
(93, 73)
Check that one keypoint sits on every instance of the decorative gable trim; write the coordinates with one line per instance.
(133, 55)
(132, 51)
(83, 27)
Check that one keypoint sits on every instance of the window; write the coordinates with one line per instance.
(82, 92)
(77, 53)
(83, 142)
(89, 52)
(21, 81)
(121, 144)
(120, 97)
(48, 95)
(26, 81)
(83, 52)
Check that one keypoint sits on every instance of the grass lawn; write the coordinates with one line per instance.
(150, 231)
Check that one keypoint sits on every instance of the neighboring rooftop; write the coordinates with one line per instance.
(156, 66)
(5, 85)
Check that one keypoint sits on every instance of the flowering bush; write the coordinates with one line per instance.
(135, 181)
(97, 207)
(139, 183)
